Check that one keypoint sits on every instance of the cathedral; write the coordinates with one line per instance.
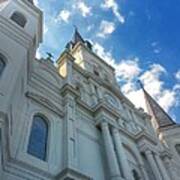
(71, 121)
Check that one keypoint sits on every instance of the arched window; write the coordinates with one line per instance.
(178, 148)
(19, 18)
(38, 138)
(2, 64)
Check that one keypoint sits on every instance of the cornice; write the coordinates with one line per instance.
(143, 135)
(65, 55)
(68, 89)
(72, 174)
(45, 102)
(38, 82)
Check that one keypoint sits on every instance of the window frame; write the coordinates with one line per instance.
(22, 16)
(45, 119)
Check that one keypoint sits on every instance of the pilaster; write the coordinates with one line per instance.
(113, 166)
(170, 167)
(161, 167)
(121, 155)
(70, 140)
(153, 164)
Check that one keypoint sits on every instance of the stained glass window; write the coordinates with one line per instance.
(38, 138)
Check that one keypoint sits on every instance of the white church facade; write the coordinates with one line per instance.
(71, 121)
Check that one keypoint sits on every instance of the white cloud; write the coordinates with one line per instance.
(106, 28)
(157, 51)
(63, 15)
(83, 8)
(177, 75)
(154, 44)
(38, 54)
(167, 99)
(100, 51)
(45, 29)
(129, 71)
(36, 2)
(90, 27)
(111, 4)
(126, 69)
(151, 79)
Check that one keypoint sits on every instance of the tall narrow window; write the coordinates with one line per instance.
(38, 138)
(19, 18)
(2, 64)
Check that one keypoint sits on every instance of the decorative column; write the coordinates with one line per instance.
(170, 167)
(70, 143)
(153, 165)
(1, 172)
(121, 155)
(142, 168)
(110, 153)
(161, 167)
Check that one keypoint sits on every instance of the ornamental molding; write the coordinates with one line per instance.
(143, 136)
(72, 174)
(45, 102)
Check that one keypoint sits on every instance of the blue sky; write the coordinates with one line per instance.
(141, 39)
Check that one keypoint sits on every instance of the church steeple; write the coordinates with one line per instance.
(161, 118)
(25, 17)
(77, 38)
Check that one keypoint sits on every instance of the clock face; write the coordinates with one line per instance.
(111, 100)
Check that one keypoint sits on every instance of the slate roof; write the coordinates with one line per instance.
(155, 110)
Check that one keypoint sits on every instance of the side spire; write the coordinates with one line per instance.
(156, 111)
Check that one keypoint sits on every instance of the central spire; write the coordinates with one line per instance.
(77, 37)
